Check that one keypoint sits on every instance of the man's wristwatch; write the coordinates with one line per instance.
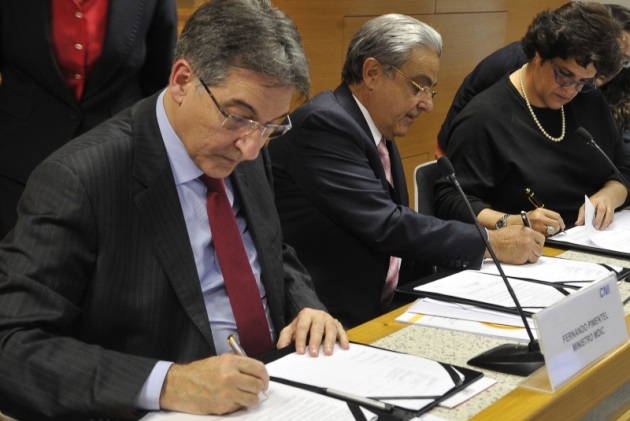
(502, 222)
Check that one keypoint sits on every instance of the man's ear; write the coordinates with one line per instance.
(181, 80)
(372, 71)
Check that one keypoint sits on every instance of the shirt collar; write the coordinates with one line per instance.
(376, 134)
(184, 169)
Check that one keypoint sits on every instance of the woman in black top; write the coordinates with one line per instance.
(520, 133)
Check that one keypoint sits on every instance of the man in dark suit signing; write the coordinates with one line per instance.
(339, 182)
(115, 296)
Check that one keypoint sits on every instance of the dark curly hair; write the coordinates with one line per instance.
(617, 92)
(585, 32)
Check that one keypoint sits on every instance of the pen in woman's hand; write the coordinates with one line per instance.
(533, 199)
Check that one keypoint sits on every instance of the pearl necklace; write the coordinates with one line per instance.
(531, 111)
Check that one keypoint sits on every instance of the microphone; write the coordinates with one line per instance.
(586, 136)
(520, 360)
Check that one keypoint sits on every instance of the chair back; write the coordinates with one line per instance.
(424, 177)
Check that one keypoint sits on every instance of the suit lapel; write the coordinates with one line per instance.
(348, 103)
(254, 192)
(38, 31)
(158, 204)
(123, 19)
(398, 175)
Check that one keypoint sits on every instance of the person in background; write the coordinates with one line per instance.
(68, 65)
(144, 243)
(617, 94)
(511, 57)
(521, 133)
(340, 187)
(617, 90)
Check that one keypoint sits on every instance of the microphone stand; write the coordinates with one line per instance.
(515, 359)
(586, 136)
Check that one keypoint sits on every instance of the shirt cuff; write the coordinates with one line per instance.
(149, 396)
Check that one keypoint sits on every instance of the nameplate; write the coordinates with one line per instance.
(580, 328)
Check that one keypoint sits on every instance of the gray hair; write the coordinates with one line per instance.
(248, 34)
(389, 39)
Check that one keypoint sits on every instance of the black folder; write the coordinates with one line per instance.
(553, 242)
(408, 289)
(398, 413)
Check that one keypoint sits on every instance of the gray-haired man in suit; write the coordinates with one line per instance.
(361, 239)
(111, 298)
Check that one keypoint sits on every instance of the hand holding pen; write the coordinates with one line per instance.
(541, 219)
(214, 385)
(238, 350)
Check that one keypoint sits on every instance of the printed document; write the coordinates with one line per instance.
(369, 372)
(284, 403)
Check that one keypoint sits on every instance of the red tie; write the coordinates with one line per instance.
(391, 280)
(247, 305)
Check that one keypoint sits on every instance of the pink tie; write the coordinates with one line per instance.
(240, 283)
(391, 280)
(384, 154)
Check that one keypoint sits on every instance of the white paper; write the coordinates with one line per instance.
(369, 372)
(615, 237)
(491, 289)
(474, 389)
(431, 307)
(284, 403)
(551, 269)
(468, 326)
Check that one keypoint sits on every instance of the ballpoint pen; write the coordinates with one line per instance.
(525, 219)
(538, 204)
(533, 199)
(368, 402)
(238, 350)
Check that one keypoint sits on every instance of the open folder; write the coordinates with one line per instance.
(536, 285)
(408, 385)
(346, 386)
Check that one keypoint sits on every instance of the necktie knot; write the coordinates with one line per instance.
(213, 184)
(382, 148)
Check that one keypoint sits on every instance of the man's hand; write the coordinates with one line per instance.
(516, 245)
(215, 385)
(316, 325)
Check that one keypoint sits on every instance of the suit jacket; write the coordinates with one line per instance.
(38, 111)
(344, 219)
(98, 279)
(484, 75)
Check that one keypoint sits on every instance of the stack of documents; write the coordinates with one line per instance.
(479, 302)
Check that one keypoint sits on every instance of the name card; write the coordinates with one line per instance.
(580, 328)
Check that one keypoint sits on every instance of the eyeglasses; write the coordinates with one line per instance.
(564, 80)
(425, 90)
(245, 126)
(626, 63)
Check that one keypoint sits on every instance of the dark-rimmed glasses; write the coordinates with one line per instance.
(424, 89)
(245, 126)
(564, 81)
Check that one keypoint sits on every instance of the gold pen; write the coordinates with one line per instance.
(236, 347)
(238, 350)
(533, 199)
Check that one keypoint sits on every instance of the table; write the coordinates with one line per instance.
(601, 392)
